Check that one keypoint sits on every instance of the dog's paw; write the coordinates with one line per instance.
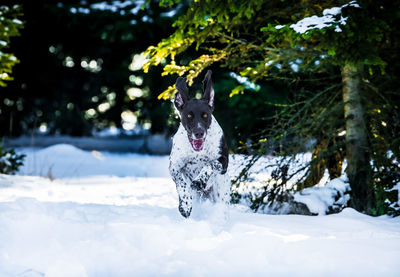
(198, 185)
(184, 209)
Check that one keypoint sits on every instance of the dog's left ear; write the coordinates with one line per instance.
(181, 97)
(208, 89)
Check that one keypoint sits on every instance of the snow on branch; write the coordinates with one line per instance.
(328, 19)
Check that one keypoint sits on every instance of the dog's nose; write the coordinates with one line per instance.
(199, 134)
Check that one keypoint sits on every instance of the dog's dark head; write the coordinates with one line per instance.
(195, 113)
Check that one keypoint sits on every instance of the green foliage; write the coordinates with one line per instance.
(242, 35)
(257, 39)
(240, 126)
(10, 25)
(384, 133)
(10, 161)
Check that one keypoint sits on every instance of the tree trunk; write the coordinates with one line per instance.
(357, 150)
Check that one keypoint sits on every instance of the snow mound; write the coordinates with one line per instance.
(321, 200)
(67, 161)
(63, 150)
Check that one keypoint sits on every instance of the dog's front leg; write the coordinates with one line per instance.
(201, 180)
(183, 188)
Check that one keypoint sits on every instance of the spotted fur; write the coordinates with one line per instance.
(199, 173)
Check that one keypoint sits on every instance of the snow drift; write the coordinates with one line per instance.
(117, 216)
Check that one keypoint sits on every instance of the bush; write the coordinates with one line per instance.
(10, 161)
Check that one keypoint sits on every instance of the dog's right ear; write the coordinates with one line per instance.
(181, 97)
(208, 89)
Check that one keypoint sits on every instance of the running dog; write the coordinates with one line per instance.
(199, 155)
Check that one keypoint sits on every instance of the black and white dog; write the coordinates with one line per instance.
(199, 156)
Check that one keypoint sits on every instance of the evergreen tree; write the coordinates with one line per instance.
(10, 25)
(336, 54)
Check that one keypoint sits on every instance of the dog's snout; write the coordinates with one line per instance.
(199, 134)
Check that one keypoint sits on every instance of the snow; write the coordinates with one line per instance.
(319, 22)
(67, 161)
(245, 81)
(396, 205)
(115, 132)
(294, 66)
(112, 6)
(264, 167)
(319, 199)
(6, 159)
(278, 27)
(108, 214)
(111, 131)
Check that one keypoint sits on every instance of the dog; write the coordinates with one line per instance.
(199, 156)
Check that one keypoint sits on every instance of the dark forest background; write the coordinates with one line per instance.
(79, 72)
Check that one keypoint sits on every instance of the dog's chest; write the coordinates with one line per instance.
(193, 161)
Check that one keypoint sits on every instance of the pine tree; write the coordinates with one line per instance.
(10, 24)
(335, 52)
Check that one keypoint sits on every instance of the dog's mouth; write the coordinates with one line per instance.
(197, 144)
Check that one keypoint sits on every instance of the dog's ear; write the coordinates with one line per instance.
(208, 89)
(181, 97)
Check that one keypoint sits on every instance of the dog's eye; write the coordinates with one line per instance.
(205, 115)
(189, 116)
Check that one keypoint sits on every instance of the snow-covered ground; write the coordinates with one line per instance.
(77, 213)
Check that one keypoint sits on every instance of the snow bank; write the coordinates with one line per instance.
(93, 222)
(67, 161)
(324, 198)
(320, 200)
(396, 205)
(265, 165)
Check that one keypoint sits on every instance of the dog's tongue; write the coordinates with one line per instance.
(197, 144)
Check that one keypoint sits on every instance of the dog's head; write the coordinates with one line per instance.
(195, 113)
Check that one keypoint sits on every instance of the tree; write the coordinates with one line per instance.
(10, 26)
(335, 52)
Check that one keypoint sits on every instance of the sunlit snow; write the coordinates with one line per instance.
(78, 213)
(328, 18)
